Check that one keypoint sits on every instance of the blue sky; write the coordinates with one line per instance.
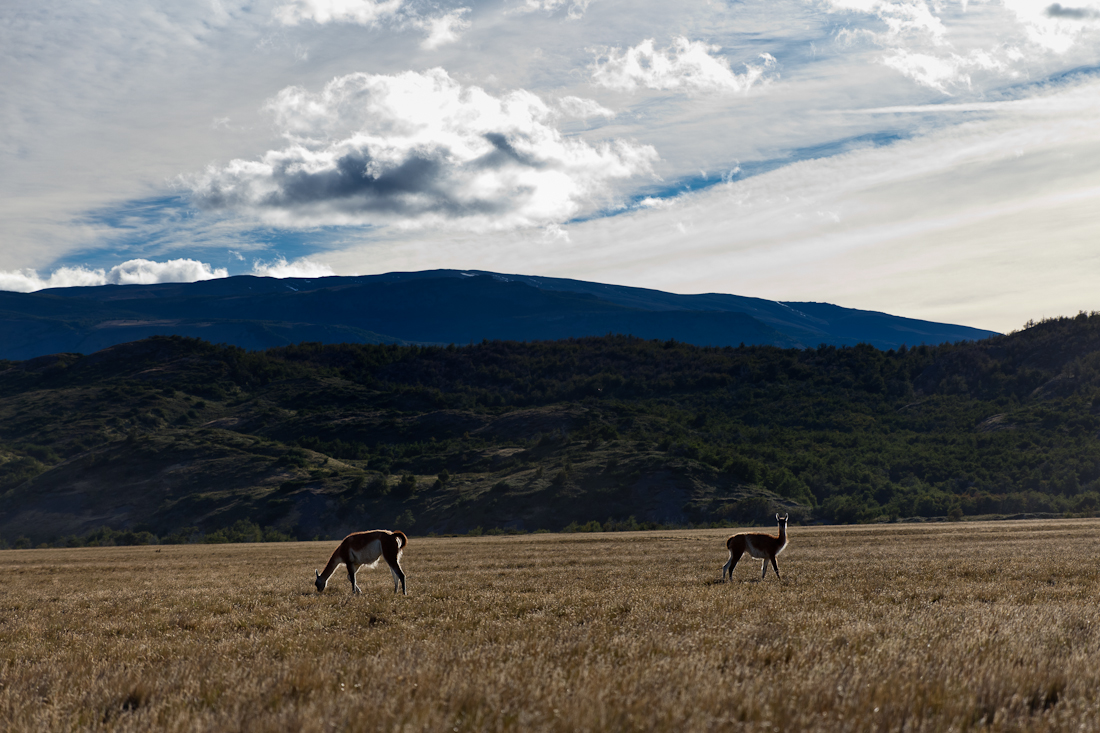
(934, 160)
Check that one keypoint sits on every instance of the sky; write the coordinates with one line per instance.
(934, 160)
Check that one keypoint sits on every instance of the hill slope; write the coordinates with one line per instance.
(440, 307)
(169, 433)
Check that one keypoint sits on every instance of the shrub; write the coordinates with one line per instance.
(182, 536)
(294, 457)
(406, 486)
(379, 485)
(743, 469)
(592, 526)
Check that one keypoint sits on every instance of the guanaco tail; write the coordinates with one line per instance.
(365, 548)
(761, 546)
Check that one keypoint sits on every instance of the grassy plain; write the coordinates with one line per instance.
(965, 626)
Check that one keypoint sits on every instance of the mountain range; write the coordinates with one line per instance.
(432, 307)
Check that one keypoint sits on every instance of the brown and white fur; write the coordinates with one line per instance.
(761, 546)
(365, 548)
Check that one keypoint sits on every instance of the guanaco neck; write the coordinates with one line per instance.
(333, 563)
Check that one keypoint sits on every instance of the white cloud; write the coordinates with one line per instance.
(440, 29)
(28, 281)
(684, 65)
(301, 267)
(420, 149)
(1056, 27)
(942, 45)
(901, 17)
(941, 72)
(131, 272)
(147, 272)
(575, 9)
(443, 29)
(650, 202)
(583, 108)
(363, 12)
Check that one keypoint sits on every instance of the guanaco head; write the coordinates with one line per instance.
(320, 582)
(782, 520)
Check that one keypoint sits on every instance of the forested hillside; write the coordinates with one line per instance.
(178, 437)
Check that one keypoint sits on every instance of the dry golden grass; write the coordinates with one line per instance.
(944, 627)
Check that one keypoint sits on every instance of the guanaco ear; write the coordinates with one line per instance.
(318, 573)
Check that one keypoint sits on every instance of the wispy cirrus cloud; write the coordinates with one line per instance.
(131, 272)
(420, 149)
(686, 65)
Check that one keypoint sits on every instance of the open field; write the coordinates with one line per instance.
(892, 627)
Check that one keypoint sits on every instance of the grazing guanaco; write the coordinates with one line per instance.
(365, 548)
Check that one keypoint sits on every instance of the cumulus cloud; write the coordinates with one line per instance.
(363, 12)
(28, 281)
(302, 267)
(420, 149)
(147, 272)
(131, 272)
(684, 65)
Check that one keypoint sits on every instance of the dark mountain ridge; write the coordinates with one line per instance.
(432, 307)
